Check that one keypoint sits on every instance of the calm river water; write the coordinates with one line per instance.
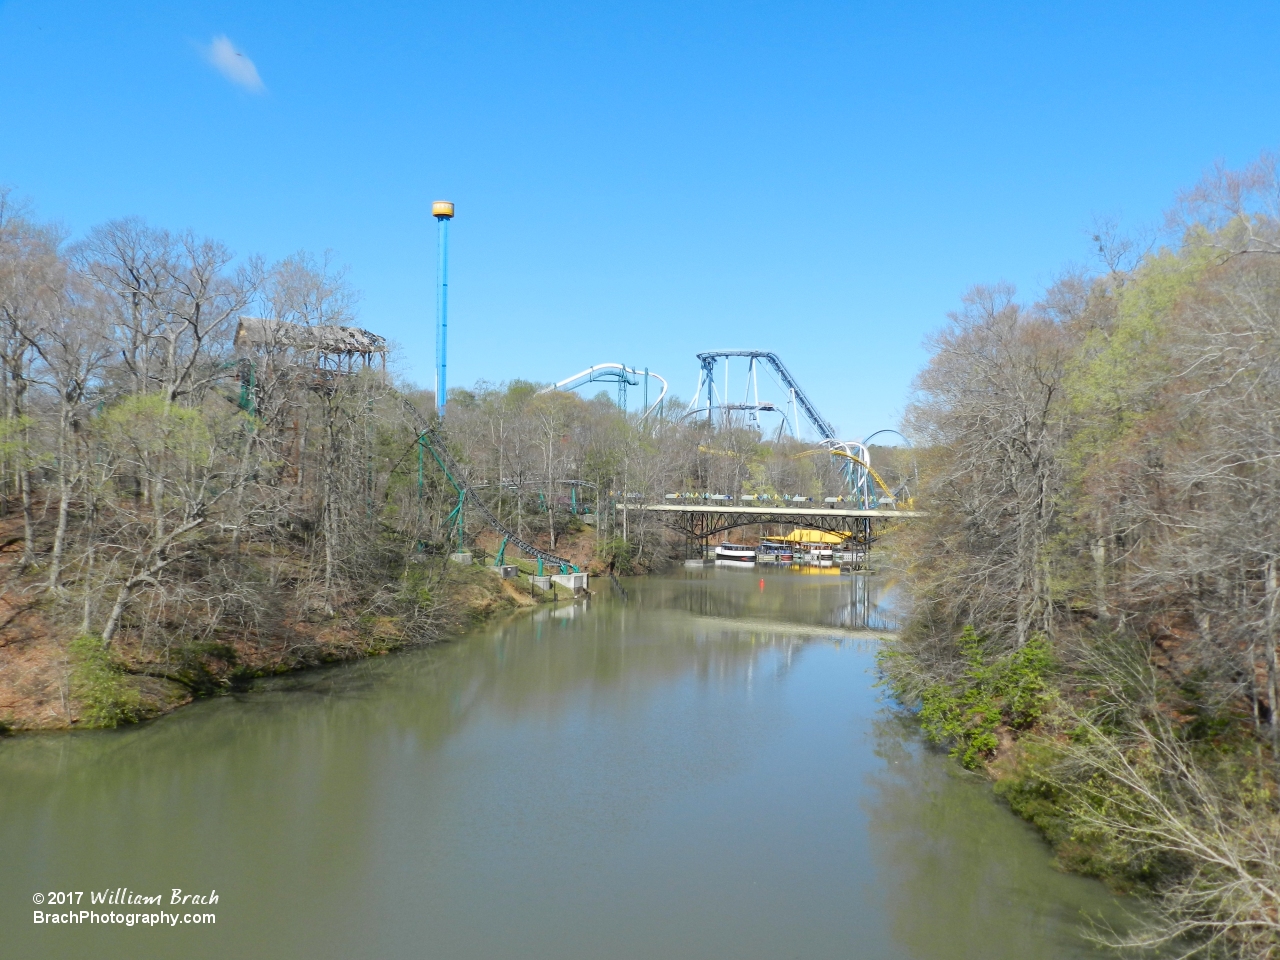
(706, 771)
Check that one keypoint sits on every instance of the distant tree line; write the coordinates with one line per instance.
(547, 458)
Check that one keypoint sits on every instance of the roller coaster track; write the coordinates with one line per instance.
(708, 361)
(855, 459)
(858, 479)
(435, 445)
(617, 372)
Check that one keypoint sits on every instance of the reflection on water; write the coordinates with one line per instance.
(939, 838)
(834, 598)
(870, 605)
(705, 770)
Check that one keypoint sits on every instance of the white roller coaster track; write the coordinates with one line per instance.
(599, 371)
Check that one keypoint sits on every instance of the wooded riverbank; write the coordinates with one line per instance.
(51, 678)
(1097, 600)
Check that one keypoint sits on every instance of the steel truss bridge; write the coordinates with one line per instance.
(702, 522)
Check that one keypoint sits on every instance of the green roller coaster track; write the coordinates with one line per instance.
(431, 442)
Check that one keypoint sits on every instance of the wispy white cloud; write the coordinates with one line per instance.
(234, 65)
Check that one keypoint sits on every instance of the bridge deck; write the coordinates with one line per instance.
(814, 512)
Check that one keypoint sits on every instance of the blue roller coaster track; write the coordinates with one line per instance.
(854, 455)
(706, 378)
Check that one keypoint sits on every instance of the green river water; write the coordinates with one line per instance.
(704, 771)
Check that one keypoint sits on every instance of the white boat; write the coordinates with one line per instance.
(773, 552)
(735, 553)
(819, 556)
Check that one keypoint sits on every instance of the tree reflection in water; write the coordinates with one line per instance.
(965, 879)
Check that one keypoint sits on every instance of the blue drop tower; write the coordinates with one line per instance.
(442, 210)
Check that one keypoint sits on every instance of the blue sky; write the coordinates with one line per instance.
(638, 182)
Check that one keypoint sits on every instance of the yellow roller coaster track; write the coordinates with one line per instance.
(860, 462)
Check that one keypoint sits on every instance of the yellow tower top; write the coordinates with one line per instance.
(442, 209)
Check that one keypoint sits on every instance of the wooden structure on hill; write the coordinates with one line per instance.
(325, 346)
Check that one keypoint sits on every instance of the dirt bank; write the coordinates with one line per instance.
(42, 680)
